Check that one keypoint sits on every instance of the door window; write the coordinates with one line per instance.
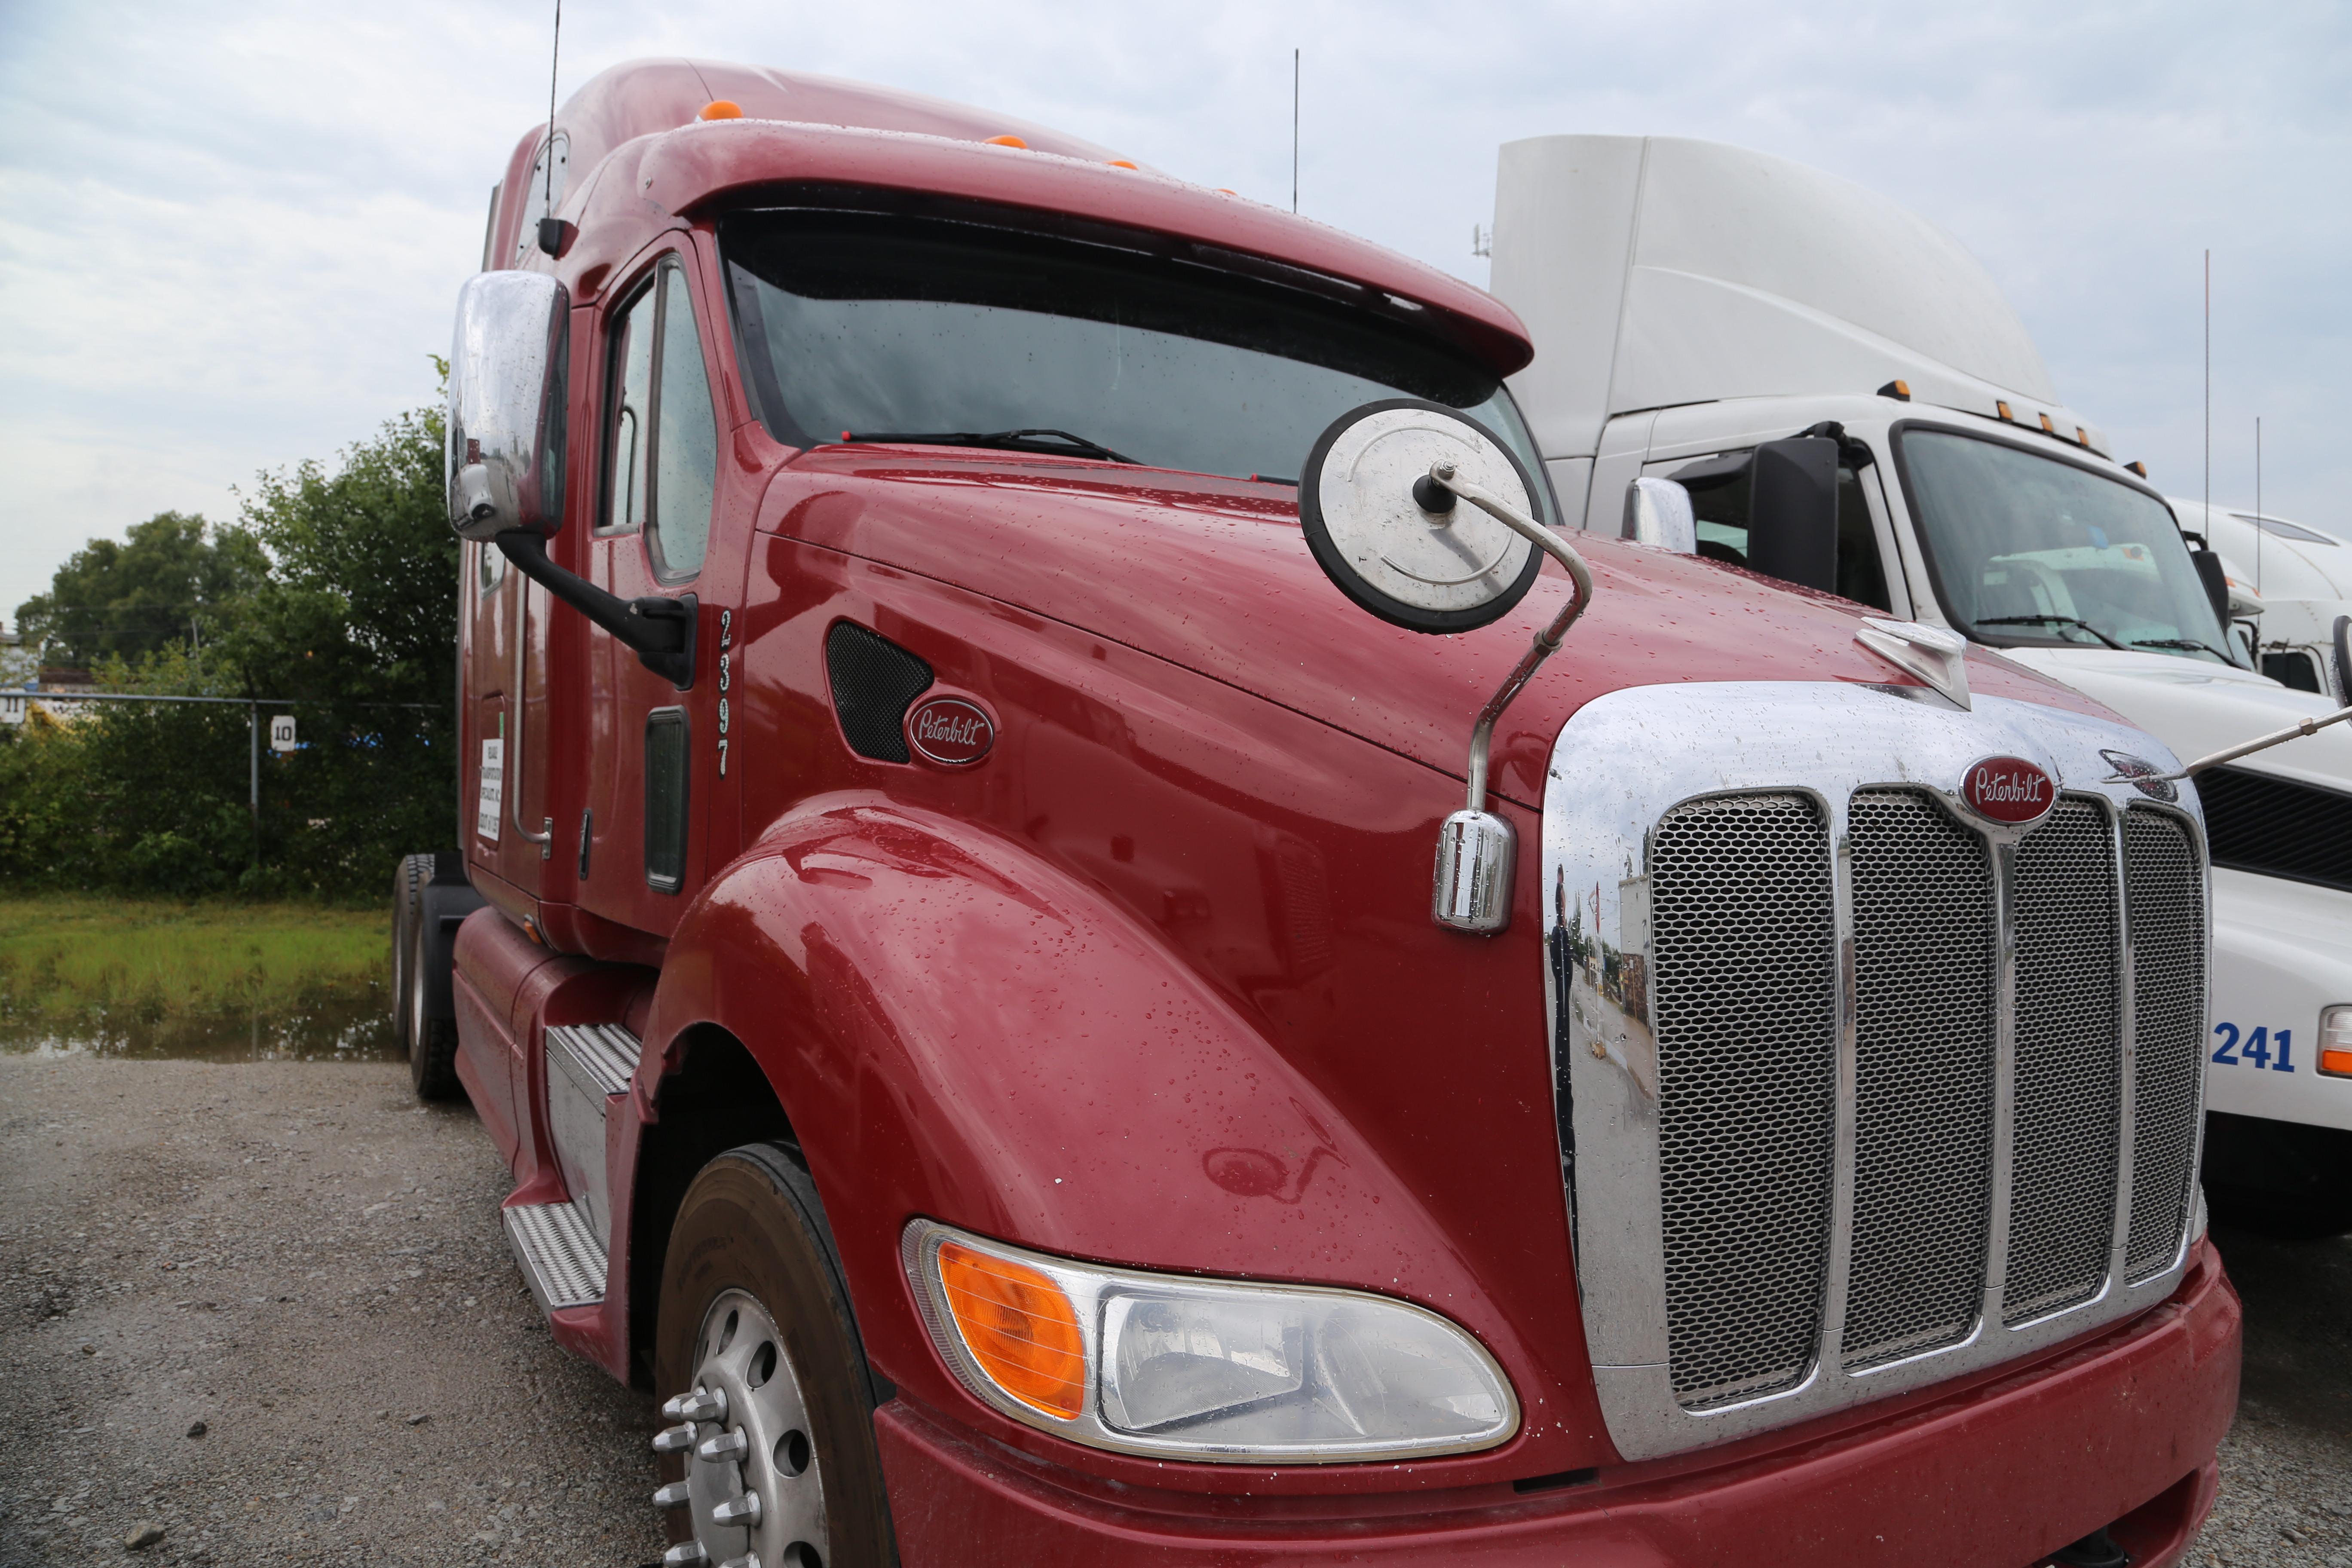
(631, 425)
(664, 438)
(685, 456)
(1719, 493)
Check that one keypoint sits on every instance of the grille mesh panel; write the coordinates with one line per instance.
(873, 682)
(2068, 1094)
(1924, 942)
(2167, 895)
(2254, 822)
(1745, 934)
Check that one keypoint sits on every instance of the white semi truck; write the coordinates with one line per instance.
(1851, 405)
(2293, 585)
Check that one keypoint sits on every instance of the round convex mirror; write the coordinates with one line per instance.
(1445, 571)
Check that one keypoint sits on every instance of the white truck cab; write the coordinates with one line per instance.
(2292, 583)
(1704, 314)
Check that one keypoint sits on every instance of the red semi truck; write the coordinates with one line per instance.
(970, 652)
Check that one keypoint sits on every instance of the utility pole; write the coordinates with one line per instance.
(253, 735)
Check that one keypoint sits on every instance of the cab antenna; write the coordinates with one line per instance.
(1294, 127)
(554, 53)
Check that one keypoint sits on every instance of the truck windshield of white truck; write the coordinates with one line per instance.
(2030, 550)
(872, 327)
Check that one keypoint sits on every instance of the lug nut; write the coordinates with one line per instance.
(688, 1554)
(702, 1404)
(678, 1494)
(673, 1439)
(743, 1510)
(726, 1445)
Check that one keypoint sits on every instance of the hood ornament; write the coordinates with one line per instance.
(1931, 654)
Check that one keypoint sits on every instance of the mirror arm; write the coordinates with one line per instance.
(1549, 541)
(659, 630)
(2295, 731)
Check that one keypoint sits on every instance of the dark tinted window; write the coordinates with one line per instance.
(1721, 508)
(873, 324)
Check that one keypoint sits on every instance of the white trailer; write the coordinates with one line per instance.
(1696, 306)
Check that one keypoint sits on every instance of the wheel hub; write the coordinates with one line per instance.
(751, 1478)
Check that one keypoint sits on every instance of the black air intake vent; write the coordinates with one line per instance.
(874, 681)
(2257, 823)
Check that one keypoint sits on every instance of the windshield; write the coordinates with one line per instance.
(2030, 550)
(866, 325)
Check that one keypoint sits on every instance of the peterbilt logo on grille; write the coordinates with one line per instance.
(950, 732)
(2009, 790)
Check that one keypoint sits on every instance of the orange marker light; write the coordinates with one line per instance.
(2048, 428)
(2003, 409)
(722, 109)
(2336, 1063)
(2082, 436)
(1006, 142)
(2137, 466)
(1019, 1326)
(1122, 163)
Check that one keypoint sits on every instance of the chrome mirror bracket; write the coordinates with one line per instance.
(1476, 849)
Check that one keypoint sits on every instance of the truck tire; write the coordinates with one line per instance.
(409, 879)
(432, 1042)
(753, 1307)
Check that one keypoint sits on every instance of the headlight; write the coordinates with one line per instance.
(1200, 1369)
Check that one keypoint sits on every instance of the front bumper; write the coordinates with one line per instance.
(2123, 1426)
(2281, 954)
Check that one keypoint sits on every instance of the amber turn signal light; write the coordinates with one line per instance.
(1019, 1326)
(722, 109)
(2336, 1042)
(1898, 390)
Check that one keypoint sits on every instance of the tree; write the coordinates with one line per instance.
(168, 586)
(336, 590)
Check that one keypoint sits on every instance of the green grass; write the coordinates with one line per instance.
(139, 973)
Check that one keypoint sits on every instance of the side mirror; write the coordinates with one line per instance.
(1392, 538)
(1658, 512)
(2216, 581)
(1792, 512)
(506, 421)
(2343, 640)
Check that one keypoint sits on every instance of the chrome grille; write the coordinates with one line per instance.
(1701, 826)
(1745, 982)
(1924, 943)
(2069, 1083)
(2166, 894)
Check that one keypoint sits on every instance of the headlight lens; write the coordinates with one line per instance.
(1198, 1369)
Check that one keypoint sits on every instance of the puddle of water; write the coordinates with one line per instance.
(321, 1023)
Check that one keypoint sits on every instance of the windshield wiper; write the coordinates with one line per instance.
(2183, 642)
(1060, 443)
(2055, 621)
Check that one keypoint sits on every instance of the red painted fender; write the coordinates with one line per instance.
(958, 1029)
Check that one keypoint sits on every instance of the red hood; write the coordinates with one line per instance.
(1214, 574)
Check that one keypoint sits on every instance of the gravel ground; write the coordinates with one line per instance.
(297, 1257)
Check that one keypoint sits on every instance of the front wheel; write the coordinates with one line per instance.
(773, 1455)
(432, 1042)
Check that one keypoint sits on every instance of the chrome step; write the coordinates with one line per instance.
(556, 1247)
(601, 1057)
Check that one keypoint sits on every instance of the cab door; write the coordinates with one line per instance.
(643, 838)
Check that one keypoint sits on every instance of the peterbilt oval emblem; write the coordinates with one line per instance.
(2009, 790)
(950, 732)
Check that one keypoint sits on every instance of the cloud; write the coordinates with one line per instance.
(230, 234)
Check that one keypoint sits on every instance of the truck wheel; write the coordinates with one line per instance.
(409, 879)
(774, 1455)
(432, 1042)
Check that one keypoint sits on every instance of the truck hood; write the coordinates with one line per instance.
(1214, 574)
(2196, 708)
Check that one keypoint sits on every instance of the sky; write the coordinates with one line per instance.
(232, 233)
